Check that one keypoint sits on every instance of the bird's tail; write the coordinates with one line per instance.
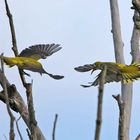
(56, 77)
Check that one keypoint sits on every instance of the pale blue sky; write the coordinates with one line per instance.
(82, 27)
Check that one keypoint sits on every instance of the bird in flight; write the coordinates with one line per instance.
(115, 72)
(28, 58)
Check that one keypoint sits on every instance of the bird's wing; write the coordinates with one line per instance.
(40, 51)
(130, 77)
(114, 67)
(110, 77)
(84, 68)
(131, 73)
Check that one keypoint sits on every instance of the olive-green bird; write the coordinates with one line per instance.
(28, 58)
(115, 72)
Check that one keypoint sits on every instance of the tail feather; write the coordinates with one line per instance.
(56, 77)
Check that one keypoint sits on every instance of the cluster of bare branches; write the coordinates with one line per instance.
(13, 100)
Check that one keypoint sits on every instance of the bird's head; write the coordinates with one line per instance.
(97, 65)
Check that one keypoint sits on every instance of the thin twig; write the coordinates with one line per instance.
(14, 48)
(54, 127)
(121, 117)
(18, 128)
(14, 42)
(100, 104)
(12, 118)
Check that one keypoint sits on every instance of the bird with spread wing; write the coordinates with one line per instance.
(115, 72)
(28, 58)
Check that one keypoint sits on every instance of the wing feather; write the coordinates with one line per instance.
(110, 77)
(40, 51)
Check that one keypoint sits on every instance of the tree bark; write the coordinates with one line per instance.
(126, 89)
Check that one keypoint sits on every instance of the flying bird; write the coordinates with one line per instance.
(115, 72)
(28, 58)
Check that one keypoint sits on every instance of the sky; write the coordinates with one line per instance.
(83, 28)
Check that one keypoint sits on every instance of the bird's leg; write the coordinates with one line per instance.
(25, 73)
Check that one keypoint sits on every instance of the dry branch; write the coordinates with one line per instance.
(121, 117)
(35, 132)
(100, 104)
(33, 122)
(17, 104)
(14, 42)
(54, 127)
(21, 138)
(12, 118)
(126, 89)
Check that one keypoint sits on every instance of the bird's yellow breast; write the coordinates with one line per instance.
(21, 61)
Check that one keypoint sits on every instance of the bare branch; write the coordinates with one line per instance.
(126, 89)
(54, 126)
(18, 128)
(135, 52)
(13, 34)
(116, 31)
(15, 50)
(100, 104)
(12, 118)
(121, 133)
(33, 122)
(17, 103)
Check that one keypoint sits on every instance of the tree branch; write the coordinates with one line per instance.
(54, 126)
(14, 42)
(135, 52)
(21, 138)
(100, 104)
(126, 89)
(25, 84)
(12, 118)
(17, 104)
(121, 117)
(33, 122)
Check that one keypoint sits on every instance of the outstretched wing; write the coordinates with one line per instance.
(110, 77)
(131, 73)
(40, 51)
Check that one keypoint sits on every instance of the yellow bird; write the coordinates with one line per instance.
(28, 58)
(115, 72)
